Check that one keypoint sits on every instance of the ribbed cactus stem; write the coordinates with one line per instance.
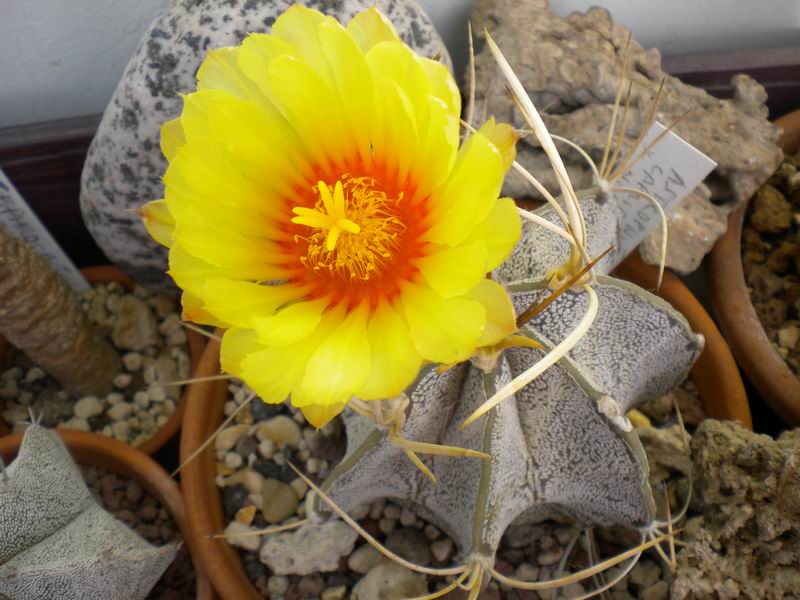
(43, 317)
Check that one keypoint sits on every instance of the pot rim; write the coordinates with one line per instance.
(715, 374)
(195, 341)
(775, 382)
(92, 449)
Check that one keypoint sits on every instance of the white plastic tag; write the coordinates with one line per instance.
(20, 219)
(669, 171)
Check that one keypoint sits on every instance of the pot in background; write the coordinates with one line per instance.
(196, 343)
(775, 382)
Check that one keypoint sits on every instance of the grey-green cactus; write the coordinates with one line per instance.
(562, 445)
(57, 542)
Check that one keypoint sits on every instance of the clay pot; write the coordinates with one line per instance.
(91, 449)
(715, 375)
(196, 342)
(775, 382)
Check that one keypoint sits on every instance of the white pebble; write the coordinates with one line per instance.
(169, 407)
(141, 399)
(386, 526)
(312, 466)
(34, 374)
(121, 430)
(75, 423)
(407, 518)
(177, 339)
(122, 380)
(227, 438)
(233, 460)
(442, 549)
(266, 448)
(249, 542)
(120, 412)
(88, 407)
(132, 361)
(230, 408)
(157, 394)
(114, 398)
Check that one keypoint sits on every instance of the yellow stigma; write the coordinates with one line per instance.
(356, 228)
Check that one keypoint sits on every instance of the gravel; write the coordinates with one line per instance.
(141, 327)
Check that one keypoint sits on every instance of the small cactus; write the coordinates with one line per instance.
(57, 542)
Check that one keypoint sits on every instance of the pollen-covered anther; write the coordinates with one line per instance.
(356, 228)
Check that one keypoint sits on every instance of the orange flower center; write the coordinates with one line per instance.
(356, 229)
(358, 238)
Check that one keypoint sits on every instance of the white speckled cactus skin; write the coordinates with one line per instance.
(562, 445)
(57, 542)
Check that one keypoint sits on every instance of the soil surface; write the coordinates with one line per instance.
(771, 259)
(146, 331)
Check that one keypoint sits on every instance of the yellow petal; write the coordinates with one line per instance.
(172, 138)
(226, 249)
(298, 26)
(398, 63)
(442, 84)
(241, 303)
(291, 324)
(191, 273)
(193, 311)
(309, 102)
(220, 71)
(500, 231)
(443, 329)
(237, 344)
(320, 415)
(370, 27)
(255, 54)
(340, 364)
(158, 221)
(500, 316)
(272, 372)
(468, 196)
(395, 361)
(353, 81)
(455, 271)
(438, 147)
(504, 138)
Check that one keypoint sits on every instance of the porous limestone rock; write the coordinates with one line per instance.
(57, 542)
(560, 446)
(124, 165)
(310, 549)
(748, 486)
(570, 67)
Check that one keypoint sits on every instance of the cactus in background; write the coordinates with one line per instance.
(43, 317)
(57, 542)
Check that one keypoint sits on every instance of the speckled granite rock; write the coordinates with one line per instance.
(571, 68)
(749, 488)
(57, 542)
(124, 166)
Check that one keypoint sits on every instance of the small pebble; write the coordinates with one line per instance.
(132, 361)
(245, 542)
(657, 591)
(363, 559)
(233, 460)
(277, 586)
(282, 430)
(123, 380)
(245, 515)
(334, 593)
(442, 549)
(88, 407)
(120, 412)
(550, 556)
(227, 438)
(280, 501)
(34, 374)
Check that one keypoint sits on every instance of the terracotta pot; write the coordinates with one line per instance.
(715, 375)
(91, 449)
(196, 342)
(764, 367)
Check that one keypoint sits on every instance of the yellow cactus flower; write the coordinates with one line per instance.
(318, 207)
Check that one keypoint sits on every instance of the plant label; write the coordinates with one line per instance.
(23, 223)
(668, 171)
